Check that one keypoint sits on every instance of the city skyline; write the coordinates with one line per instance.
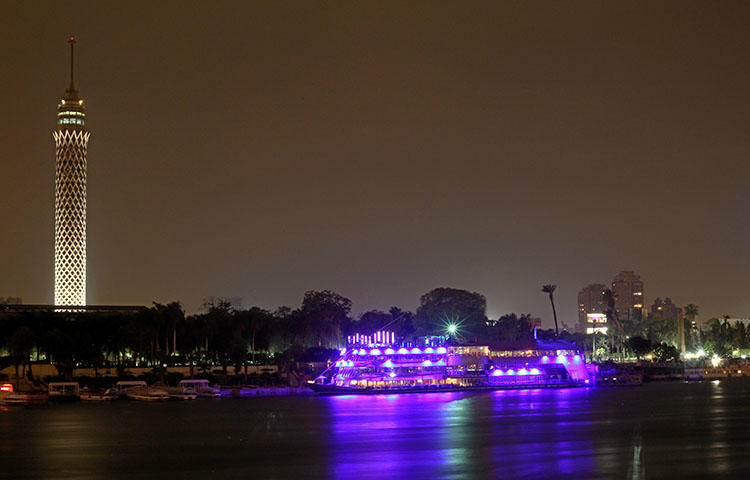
(270, 168)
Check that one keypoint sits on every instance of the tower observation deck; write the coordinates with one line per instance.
(71, 141)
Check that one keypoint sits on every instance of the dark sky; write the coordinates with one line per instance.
(383, 149)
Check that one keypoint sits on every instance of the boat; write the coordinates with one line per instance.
(98, 395)
(200, 387)
(176, 393)
(10, 396)
(64, 391)
(376, 364)
(146, 394)
(121, 387)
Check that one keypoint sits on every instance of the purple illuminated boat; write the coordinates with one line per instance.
(378, 364)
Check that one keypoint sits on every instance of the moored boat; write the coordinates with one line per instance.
(200, 387)
(121, 387)
(98, 395)
(177, 393)
(378, 364)
(64, 391)
(146, 394)
(11, 397)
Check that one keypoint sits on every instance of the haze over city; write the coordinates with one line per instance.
(381, 151)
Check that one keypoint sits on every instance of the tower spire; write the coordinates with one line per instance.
(72, 42)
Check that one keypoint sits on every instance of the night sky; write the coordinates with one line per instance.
(259, 150)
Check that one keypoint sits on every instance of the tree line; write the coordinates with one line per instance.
(224, 336)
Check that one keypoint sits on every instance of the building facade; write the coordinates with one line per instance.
(665, 308)
(591, 308)
(628, 289)
(71, 141)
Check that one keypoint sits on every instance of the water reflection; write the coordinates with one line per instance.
(521, 434)
(666, 430)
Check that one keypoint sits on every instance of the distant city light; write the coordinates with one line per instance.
(452, 328)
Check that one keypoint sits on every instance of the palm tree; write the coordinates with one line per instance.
(551, 290)
(691, 311)
(609, 298)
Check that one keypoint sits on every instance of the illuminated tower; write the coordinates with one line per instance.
(71, 140)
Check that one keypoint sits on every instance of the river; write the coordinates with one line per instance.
(659, 430)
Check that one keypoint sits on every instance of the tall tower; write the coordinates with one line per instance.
(71, 140)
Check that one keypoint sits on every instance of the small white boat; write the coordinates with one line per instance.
(64, 391)
(98, 396)
(122, 386)
(201, 388)
(177, 393)
(147, 394)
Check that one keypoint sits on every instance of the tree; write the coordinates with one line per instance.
(512, 328)
(324, 314)
(372, 321)
(691, 311)
(550, 289)
(21, 344)
(666, 353)
(615, 334)
(638, 345)
(441, 307)
(403, 322)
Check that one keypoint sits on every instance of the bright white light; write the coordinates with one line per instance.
(715, 361)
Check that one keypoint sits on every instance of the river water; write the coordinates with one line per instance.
(665, 430)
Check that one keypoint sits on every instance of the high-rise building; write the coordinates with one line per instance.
(628, 289)
(590, 302)
(665, 308)
(71, 141)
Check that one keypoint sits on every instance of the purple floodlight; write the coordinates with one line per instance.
(545, 359)
(415, 350)
(392, 374)
(440, 362)
(535, 371)
(389, 351)
(561, 359)
(442, 350)
(388, 364)
(427, 363)
(510, 372)
(577, 359)
(402, 351)
(523, 371)
(429, 350)
(375, 351)
(362, 351)
(497, 373)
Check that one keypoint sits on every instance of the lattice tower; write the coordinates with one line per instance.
(71, 141)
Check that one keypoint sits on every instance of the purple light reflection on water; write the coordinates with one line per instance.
(530, 433)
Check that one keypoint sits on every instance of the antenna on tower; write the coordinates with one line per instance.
(72, 42)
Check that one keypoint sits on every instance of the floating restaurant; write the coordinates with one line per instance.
(380, 364)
